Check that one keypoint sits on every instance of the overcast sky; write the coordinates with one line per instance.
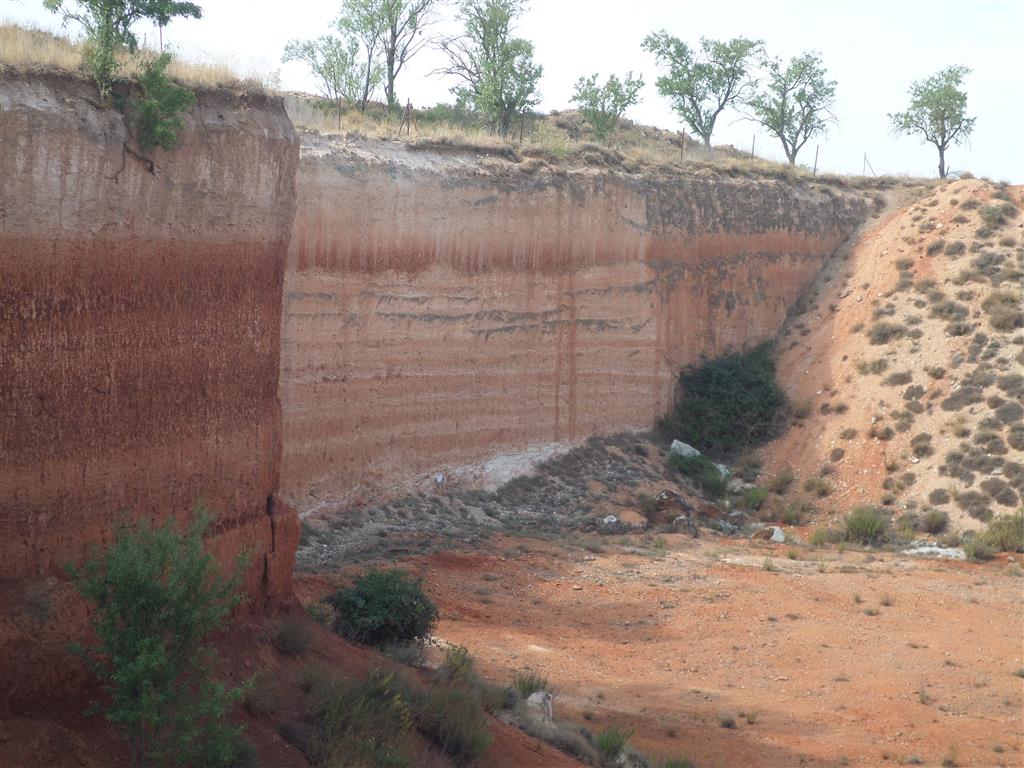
(873, 49)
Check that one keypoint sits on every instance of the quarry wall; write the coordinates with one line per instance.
(140, 301)
(441, 307)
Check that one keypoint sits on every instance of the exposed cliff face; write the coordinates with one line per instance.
(140, 326)
(438, 309)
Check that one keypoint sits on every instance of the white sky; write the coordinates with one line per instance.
(874, 49)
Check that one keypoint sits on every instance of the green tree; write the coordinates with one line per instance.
(603, 105)
(334, 63)
(938, 112)
(158, 111)
(498, 74)
(359, 21)
(108, 28)
(701, 84)
(158, 595)
(795, 103)
(391, 32)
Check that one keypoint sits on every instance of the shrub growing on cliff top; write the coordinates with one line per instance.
(728, 404)
(158, 595)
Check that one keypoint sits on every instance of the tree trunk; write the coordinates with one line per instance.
(390, 90)
(707, 140)
(942, 162)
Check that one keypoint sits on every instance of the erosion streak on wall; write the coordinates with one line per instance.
(438, 309)
(140, 325)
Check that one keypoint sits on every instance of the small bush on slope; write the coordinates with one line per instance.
(383, 608)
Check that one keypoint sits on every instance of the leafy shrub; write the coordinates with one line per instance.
(974, 504)
(898, 378)
(729, 403)
(884, 331)
(995, 215)
(781, 482)
(955, 248)
(819, 486)
(753, 498)
(935, 246)
(820, 536)
(703, 472)
(976, 548)
(528, 683)
(158, 596)
(383, 608)
(292, 637)
(1006, 533)
(875, 366)
(796, 513)
(934, 520)
(939, 496)
(361, 723)
(1004, 310)
(867, 525)
(454, 720)
(611, 741)
(947, 309)
(158, 111)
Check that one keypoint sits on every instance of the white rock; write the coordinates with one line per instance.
(778, 535)
(543, 703)
(685, 450)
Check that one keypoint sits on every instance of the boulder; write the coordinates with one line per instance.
(771, 533)
(683, 523)
(542, 704)
(683, 450)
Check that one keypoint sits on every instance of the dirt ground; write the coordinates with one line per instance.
(820, 658)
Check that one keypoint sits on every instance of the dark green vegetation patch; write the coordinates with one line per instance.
(729, 403)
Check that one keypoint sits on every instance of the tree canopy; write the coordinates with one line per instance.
(108, 27)
(701, 84)
(391, 33)
(333, 61)
(496, 69)
(603, 105)
(158, 596)
(795, 103)
(938, 112)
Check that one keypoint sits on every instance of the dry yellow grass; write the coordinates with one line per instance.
(37, 50)
(555, 138)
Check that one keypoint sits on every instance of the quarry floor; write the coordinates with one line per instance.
(818, 657)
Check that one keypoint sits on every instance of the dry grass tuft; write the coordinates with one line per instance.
(27, 49)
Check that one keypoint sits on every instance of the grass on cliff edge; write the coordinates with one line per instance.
(28, 49)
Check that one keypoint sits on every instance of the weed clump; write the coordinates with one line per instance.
(884, 332)
(292, 637)
(704, 473)
(1004, 310)
(867, 525)
(612, 741)
(934, 521)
